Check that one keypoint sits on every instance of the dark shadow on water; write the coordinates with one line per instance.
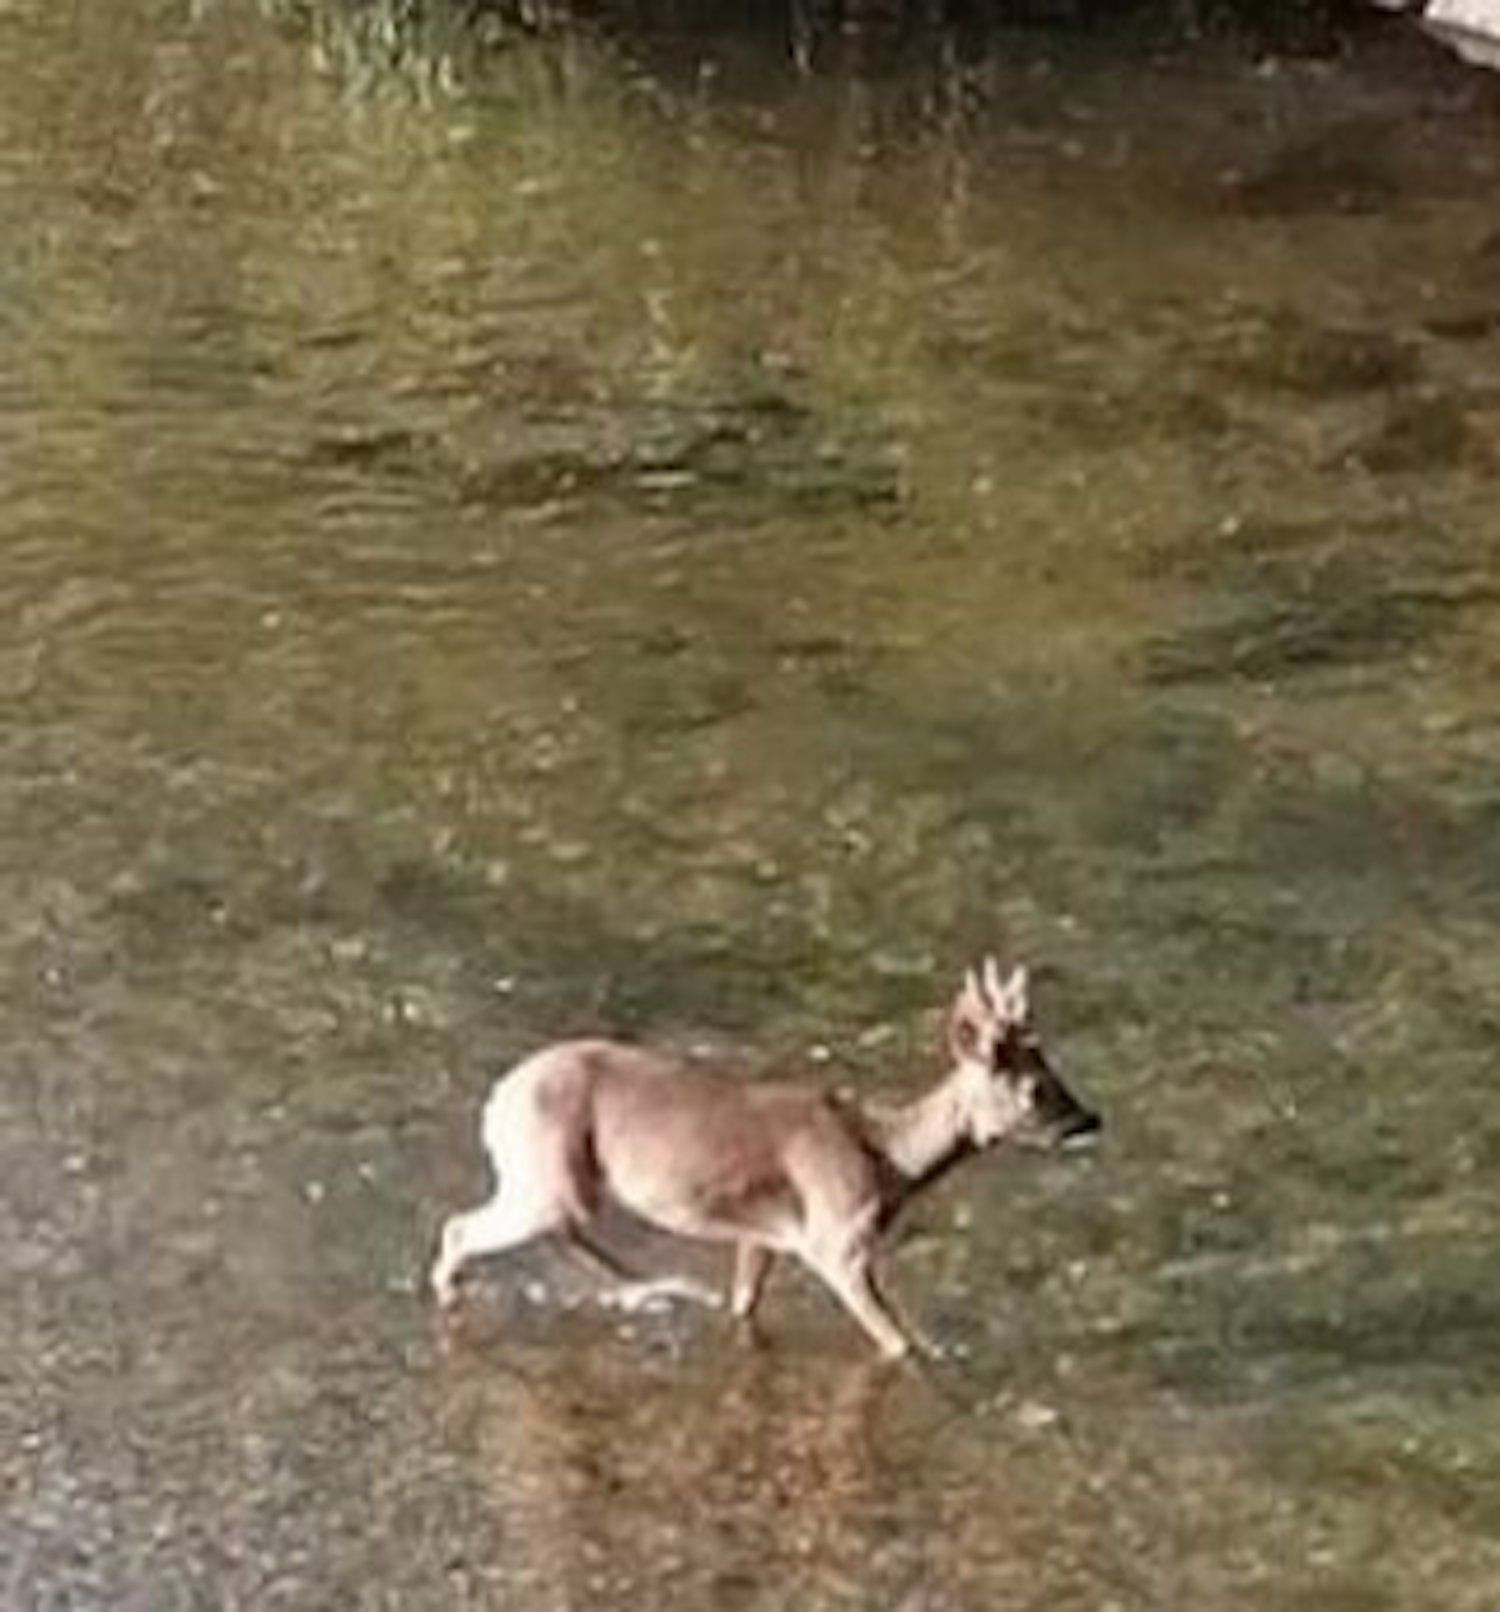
(939, 49)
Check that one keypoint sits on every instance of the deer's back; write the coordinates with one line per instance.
(705, 1153)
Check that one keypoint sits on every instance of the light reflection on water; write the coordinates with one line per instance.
(555, 539)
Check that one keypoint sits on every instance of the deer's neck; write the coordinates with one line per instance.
(924, 1138)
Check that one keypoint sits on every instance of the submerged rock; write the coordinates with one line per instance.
(1424, 433)
(1342, 169)
(1343, 616)
(752, 452)
(1284, 352)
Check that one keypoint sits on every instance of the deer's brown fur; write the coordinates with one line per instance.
(771, 1168)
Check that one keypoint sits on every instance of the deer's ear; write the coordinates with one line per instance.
(972, 1000)
(963, 1033)
(1009, 996)
(967, 1018)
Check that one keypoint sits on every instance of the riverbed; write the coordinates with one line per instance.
(697, 532)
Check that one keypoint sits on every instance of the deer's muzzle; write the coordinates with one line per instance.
(1080, 1129)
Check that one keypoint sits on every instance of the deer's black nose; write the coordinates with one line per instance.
(1080, 1129)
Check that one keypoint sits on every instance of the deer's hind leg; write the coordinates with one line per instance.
(512, 1217)
(542, 1185)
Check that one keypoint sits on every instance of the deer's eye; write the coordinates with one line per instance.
(1013, 1050)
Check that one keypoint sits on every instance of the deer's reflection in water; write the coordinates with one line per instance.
(597, 1469)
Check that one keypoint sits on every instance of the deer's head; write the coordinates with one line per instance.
(1006, 1087)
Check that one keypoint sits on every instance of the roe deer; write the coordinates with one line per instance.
(772, 1168)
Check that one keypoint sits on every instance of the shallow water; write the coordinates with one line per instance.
(686, 531)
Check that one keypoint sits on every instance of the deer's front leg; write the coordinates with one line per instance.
(752, 1264)
(849, 1274)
